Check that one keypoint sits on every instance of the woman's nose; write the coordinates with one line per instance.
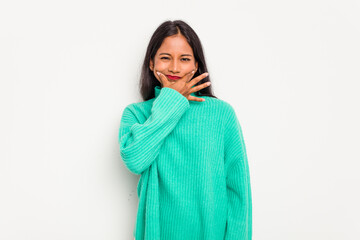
(174, 66)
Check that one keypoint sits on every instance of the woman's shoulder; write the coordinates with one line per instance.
(136, 108)
(137, 105)
(211, 103)
(219, 103)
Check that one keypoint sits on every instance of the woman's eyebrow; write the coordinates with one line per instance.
(180, 55)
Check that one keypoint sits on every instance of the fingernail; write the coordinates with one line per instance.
(208, 83)
(158, 73)
(206, 74)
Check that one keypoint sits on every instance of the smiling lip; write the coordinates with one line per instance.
(173, 77)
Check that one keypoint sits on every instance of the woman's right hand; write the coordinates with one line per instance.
(184, 84)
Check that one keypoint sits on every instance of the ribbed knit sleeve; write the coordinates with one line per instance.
(239, 217)
(140, 142)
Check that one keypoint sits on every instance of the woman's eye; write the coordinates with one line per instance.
(186, 59)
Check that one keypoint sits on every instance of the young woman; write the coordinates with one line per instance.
(187, 145)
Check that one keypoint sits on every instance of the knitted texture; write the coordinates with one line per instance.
(195, 180)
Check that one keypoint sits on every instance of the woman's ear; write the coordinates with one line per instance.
(151, 65)
(196, 66)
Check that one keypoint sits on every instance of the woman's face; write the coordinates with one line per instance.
(174, 57)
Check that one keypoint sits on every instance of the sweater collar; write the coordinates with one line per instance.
(158, 89)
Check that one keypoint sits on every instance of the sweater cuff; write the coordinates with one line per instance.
(169, 103)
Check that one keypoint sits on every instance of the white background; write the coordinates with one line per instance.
(68, 69)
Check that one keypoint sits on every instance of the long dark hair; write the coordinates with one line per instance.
(166, 29)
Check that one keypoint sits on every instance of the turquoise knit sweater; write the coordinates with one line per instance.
(195, 180)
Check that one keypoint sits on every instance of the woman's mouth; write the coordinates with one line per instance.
(173, 77)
